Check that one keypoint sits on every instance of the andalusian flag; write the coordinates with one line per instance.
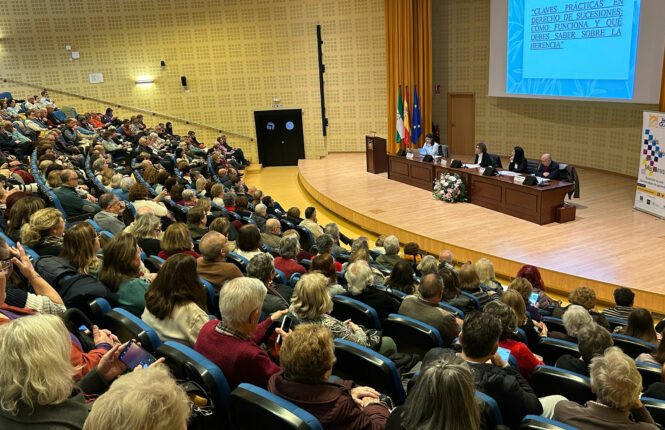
(416, 127)
(407, 128)
(400, 117)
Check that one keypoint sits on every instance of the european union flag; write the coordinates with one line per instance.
(416, 126)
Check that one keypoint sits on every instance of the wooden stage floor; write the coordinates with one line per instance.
(608, 245)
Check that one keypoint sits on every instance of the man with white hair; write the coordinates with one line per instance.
(617, 384)
(391, 257)
(359, 277)
(271, 236)
(446, 260)
(259, 216)
(333, 230)
(233, 343)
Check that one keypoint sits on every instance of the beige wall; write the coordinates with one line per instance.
(593, 134)
(237, 55)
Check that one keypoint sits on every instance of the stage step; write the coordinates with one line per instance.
(254, 168)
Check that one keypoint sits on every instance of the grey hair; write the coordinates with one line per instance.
(144, 224)
(98, 163)
(428, 265)
(333, 230)
(260, 209)
(188, 194)
(505, 314)
(443, 397)
(115, 180)
(229, 199)
(260, 267)
(593, 340)
(359, 242)
(615, 379)
(324, 243)
(106, 200)
(239, 298)
(575, 318)
(126, 183)
(450, 255)
(288, 247)
(358, 275)
(391, 245)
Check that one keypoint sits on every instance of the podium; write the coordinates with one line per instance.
(375, 150)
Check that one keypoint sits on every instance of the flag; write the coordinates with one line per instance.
(407, 129)
(399, 135)
(416, 127)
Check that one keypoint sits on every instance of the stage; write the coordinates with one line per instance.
(608, 245)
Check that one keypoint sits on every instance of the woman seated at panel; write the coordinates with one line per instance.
(430, 146)
(482, 157)
(518, 161)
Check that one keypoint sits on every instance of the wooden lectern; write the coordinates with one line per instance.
(377, 160)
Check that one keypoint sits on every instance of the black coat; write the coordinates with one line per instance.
(382, 302)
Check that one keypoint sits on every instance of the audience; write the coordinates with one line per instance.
(427, 265)
(249, 241)
(452, 295)
(524, 288)
(196, 223)
(593, 340)
(212, 265)
(177, 240)
(325, 264)
(107, 219)
(585, 297)
(532, 274)
(278, 296)
(391, 257)
(575, 318)
(485, 271)
(624, 299)
(470, 283)
(310, 222)
(359, 279)
(271, 237)
(286, 262)
(72, 203)
(533, 331)
(401, 278)
(146, 229)
(640, 325)
(43, 233)
(324, 245)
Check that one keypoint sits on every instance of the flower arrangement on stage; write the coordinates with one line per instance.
(449, 188)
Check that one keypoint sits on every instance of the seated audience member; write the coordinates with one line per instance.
(175, 302)
(333, 230)
(524, 288)
(533, 332)
(242, 206)
(617, 384)
(325, 264)
(391, 257)
(518, 161)
(271, 236)
(70, 200)
(177, 240)
(412, 253)
(286, 262)
(233, 343)
(624, 299)
(148, 399)
(19, 214)
(121, 272)
(361, 253)
(656, 357)
(401, 278)
(146, 229)
(139, 196)
(482, 157)
(446, 260)
(485, 271)
(304, 381)
(223, 225)
(311, 222)
(585, 297)
(427, 265)
(107, 218)
(532, 274)
(452, 294)
(43, 234)
(216, 195)
(293, 216)
(443, 397)
(125, 185)
(526, 361)
(257, 195)
(493, 376)
(229, 200)
(259, 216)
(425, 307)
(324, 245)
(548, 168)
(640, 325)
(212, 265)
(469, 282)
(188, 198)
(196, 223)
(80, 246)
(279, 295)
(302, 254)
(378, 244)
(37, 385)
(311, 304)
(249, 241)
(359, 278)
(593, 340)
(574, 319)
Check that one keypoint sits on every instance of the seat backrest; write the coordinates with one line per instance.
(187, 364)
(551, 349)
(452, 309)
(554, 324)
(548, 380)
(536, 422)
(98, 308)
(345, 308)
(656, 408)
(474, 298)
(493, 405)
(94, 224)
(496, 161)
(532, 166)
(632, 346)
(616, 322)
(367, 367)
(253, 407)
(280, 277)
(127, 326)
(411, 335)
(306, 237)
(238, 260)
(522, 334)
(650, 373)
(294, 279)
(210, 293)
(153, 264)
(395, 293)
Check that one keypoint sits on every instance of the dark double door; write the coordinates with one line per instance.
(279, 136)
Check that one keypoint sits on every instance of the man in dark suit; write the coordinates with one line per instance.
(548, 169)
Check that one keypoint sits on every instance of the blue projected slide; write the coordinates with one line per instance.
(572, 48)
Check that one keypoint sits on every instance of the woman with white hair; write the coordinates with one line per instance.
(359, 277)
(233, 343)
(147, 399)
(286, 262)
(36, 377)
(574, 319)
(617, 384)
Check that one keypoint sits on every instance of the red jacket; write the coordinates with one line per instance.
(163, 255)
(289, 267)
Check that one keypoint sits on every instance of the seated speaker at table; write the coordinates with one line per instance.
(548, 168)
(518, 161)
(482, 157)
(430, 147)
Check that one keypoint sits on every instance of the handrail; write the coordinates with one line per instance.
(138, 109)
